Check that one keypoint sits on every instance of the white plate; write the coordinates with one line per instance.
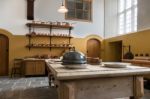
(116, 65)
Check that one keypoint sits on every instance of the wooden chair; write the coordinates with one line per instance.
(17, 68)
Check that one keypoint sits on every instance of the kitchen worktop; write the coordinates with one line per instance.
(100, 81)
(62, 73)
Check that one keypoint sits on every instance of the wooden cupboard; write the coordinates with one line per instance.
(34, 67)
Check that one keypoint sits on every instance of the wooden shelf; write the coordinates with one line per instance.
(50, 35)
(51, 46)
(49, 26)
(37, 35)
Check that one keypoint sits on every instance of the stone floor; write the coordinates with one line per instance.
(26, 88)
(22, 83)
(32, 88)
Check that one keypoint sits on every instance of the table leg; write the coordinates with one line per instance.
(66, 91)
(138, 88)
(135, 97)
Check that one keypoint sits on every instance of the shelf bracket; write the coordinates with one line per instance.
(70, 34)
(50, 40)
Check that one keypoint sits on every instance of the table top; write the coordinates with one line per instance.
(93, 71)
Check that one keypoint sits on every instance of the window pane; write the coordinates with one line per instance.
(79, 1)
(121, 5)
(71, 5)
(79, 5)
(128, 16)
(86, 15)
(135, 19)
(79, 14)
(135, 12)
(128, 4)
(86, 5)
(70, 0)
(128, 21)
(121, 18)
(71, 14)
(121, 24)
(135, 2)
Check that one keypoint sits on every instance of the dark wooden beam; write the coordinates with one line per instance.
(30, 9)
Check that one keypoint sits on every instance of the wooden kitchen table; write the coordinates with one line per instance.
(98, 82)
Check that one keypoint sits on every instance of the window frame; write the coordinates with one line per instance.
(133, 18)
(77, 19)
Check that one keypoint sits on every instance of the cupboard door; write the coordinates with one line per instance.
(40, 68)
(30, 68)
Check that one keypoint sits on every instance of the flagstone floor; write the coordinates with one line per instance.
(32, 88)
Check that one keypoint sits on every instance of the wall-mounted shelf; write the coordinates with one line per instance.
(33, 34)
(40, 25)
(49, 46)
(45, 35)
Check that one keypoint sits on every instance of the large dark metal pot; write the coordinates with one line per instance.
(73, 57)
(129, 54)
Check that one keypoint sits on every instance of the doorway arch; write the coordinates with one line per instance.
(4, 55)
(93, 48)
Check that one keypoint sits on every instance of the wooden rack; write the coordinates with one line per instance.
(32, 34)
(44, 35)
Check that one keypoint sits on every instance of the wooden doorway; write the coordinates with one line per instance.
(93, 48)
(116, 51)
(4, 46)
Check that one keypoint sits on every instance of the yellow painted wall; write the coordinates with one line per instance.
(17, 45)
(139, 41)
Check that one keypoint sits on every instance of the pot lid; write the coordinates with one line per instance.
(74, 57)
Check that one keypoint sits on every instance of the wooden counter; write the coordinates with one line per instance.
(144, 63)
(141, 63)
(98, 82)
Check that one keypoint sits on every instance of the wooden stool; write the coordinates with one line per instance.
(17, 69)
